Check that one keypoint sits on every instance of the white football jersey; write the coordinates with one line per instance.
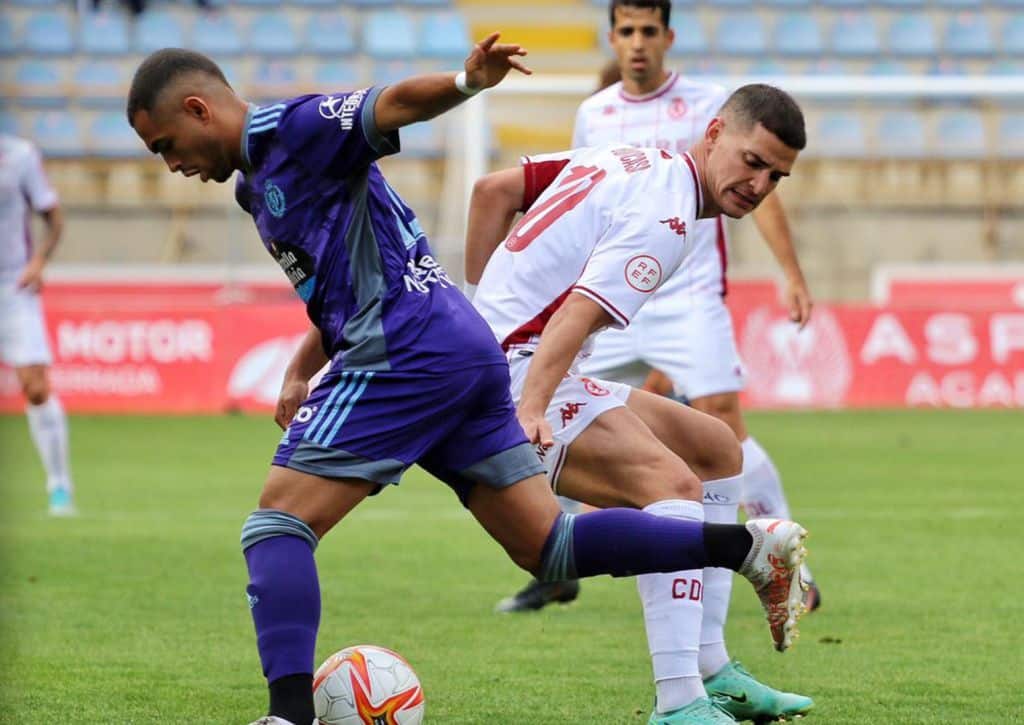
(673, 117)
(611, 223)
(24, 188)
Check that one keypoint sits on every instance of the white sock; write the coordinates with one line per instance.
(672, 614)
(762, 489)
(49, 428)
(721, 506)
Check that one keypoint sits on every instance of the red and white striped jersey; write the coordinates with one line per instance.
(24, 188)
(611, 223)
(673, 117)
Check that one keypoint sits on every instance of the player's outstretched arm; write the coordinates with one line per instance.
(493, 205)
(423, 97)
(771, 221)
(305, 363)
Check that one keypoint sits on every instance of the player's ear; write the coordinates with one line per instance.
(714, 130)
(671, 35)
(197, 108)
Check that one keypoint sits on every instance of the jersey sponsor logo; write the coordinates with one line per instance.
(298, 266)
(342, 108)
(675, 224)
(423, 273)
(274, 198)
(633, 160)
(594, 388)
(569, 411)
(676, 108)
(572, 190)
(643, 273)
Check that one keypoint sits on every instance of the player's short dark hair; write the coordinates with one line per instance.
(665, 6)
(773, 108)
(161, 68)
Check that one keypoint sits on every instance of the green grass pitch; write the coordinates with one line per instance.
(135, 611)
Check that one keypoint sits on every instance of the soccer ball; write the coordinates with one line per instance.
(367, 685)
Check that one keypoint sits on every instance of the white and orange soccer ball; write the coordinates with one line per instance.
(367, 685)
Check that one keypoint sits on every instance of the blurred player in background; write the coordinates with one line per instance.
(682, 341)
(23, 344)
(603, 229)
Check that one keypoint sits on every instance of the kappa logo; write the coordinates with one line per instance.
(675, 224)
(569, 411)
(274, 198)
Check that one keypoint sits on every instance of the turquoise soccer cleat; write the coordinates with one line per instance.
(61, 503)
(704, 711)
(736, 690)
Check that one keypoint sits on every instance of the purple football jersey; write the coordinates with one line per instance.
(352, 249)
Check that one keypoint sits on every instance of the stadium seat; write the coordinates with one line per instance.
(849, 4)
(110, 135)
(333, 4)
(888, 67)
(272, 34)
(157, 29)
(274, 80)
(797, 34)
(390, 72)
(786, 3)
(372, 3)
(217, 35)
(336, 76)
(256, 3)
(740, 35)
(960, 134)
(101, 83)
(839, 134)
(707, 67)
(968, 34)
(767, 67)
(855, 34)
(690, 37)
(1013, 37)
(9, 123)
(39, 84)
(1006, 68)
(729, 4)
(901, 134)
(36, 3)
(48, 34)
(912, 35)
(389, 34)
(961, 4)
(58, 134)
(103, 33)
(330, 33)
(428, 3)
(444, 35)
(946, 67)
(1011, 135)
(8, 41)
(826, 67)
(902, 4)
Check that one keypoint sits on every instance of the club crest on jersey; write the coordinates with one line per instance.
(677, 108)
(643, 273)
(675, 224)
(593, 388)
(274, 198)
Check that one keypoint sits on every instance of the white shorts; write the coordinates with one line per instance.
(577, 402)
(691, 342)
(23, 339)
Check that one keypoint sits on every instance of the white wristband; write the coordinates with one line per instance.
(460, 83)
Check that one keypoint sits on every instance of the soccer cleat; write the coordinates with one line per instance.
(737, 692)
(61, 503)
(703, 711)
(537, 595)
(812, 597)
(773, 567)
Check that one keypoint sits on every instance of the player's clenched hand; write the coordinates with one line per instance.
(490, 61)
(798, 300)
(31, 277)
(293, 392)
(536, 427)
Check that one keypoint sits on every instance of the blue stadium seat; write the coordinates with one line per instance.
(217, 35)
(787, 3)
(390, 72)
(855, 34)
(110, 135)
(444, 35)
(38, 84)
(903, 4)
(827, 67)
(797, 34)
(961, 4)
(48, 34)
(333, 4)
(101, 83)
(428, 3)
(36, 3)
(947, 67)
(8, 41)
(1011, 135)
(336, 76)
(1013, 36)
(848, 4)
(960, 134)
(968, 34)
(839, 134)
(103, 33)
(690, 36)
(272, 34)
(901, 134)
(912, 35)
(888, 67)
(422, 140)
(372, 3)
(729, 4)
(1006, 68)
(9, 124)
(740, 35)
(58, 134)
(273, 80)
(767, 67)
(156, 29)
(256, 3)
(389, 34)
(330, 33)
(707, 67)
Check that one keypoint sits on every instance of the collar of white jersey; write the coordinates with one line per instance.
(659, 91)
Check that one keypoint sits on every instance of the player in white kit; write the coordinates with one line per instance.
(24, 189)
(603, 229)
(683, 340)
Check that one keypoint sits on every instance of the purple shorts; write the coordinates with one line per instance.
(373, 425)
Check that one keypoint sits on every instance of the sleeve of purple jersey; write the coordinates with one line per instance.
(336, 134)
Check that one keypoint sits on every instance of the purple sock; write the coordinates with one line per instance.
(284, 596)
(621, 542)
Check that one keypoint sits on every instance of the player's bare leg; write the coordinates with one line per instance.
(295, 511)
(48, 426)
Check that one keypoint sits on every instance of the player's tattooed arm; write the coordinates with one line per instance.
(496, 199)
(306, 362)
(560, 343)
(423, 97)
(771, 221)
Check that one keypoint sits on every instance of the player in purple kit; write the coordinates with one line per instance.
(416, 375)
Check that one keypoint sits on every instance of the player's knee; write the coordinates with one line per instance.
(36, 390)
(265, 524)
(720, 454)
(687, 485)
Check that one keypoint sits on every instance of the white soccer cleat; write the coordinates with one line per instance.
(773, 567)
